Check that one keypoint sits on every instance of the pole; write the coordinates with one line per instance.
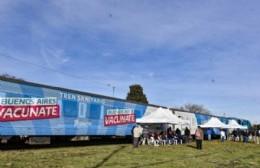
(113, 89)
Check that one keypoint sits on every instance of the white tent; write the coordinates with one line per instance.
(214, 122)
(161, 116)
(232, 124)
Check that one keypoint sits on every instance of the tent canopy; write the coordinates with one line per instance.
(214, 122)
(161, 115)
(232, 124)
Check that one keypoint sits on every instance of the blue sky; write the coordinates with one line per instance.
(201, 52)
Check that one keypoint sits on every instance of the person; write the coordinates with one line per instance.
(154, 139)
(162, 138)
(209, 132)
(169, 138)
(169, 129)
(146, 135)
(178, 131)
(187, 134)
(246, 136)
(222, 135)
(175, 138)
(136, 136)
(234, 135)
(199, 137)
(240, 135)
(256, 136)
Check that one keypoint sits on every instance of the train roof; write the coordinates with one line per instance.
(20, 81)
(174, 109)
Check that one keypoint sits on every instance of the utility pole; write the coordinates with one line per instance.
(113, 89)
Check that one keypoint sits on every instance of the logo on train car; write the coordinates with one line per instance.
(18, 109)
(119, 117)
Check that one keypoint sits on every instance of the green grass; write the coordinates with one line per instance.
(213, 154)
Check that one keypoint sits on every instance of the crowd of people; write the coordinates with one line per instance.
(143, 136)
(242, 135)
(245, 135)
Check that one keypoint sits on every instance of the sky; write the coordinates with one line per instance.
(199, 52)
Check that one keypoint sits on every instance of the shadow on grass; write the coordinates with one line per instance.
(58, 144)
(108, 157)
(192, 146)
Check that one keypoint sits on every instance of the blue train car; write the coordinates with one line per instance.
(242, 122)
(203, 118)
(31, 110)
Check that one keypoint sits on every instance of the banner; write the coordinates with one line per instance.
(18, 109)
(119, 117)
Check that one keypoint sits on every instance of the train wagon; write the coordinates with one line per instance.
(38, 113)
(196, 119)
(242, 122)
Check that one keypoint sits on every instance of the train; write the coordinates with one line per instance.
(37, 113)
(196, 118)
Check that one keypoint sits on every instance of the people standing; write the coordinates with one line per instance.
(234, 135)
(246, 136)
(240, 135)
(222, 135)
(136, 135)
(199, 137)
(169, 129)
(187, 134)
(146, 135)
(256, 136)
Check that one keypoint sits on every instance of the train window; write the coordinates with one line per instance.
(242, 122)
(95, 110)
(70, 108)
(82, 110)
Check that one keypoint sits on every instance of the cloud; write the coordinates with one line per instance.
(54, 57)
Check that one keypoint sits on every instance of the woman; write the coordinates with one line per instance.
(199, 137)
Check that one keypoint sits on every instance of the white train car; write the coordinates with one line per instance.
(188, 116)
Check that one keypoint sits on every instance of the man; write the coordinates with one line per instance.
(222, 135)
(199, 137)
(137, 131)
(256, 136)
(187, 134)
(146, 135)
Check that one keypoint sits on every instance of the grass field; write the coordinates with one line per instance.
(213, 154)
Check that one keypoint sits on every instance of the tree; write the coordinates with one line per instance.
(195, 108)
(136, 94)
(6, 75)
